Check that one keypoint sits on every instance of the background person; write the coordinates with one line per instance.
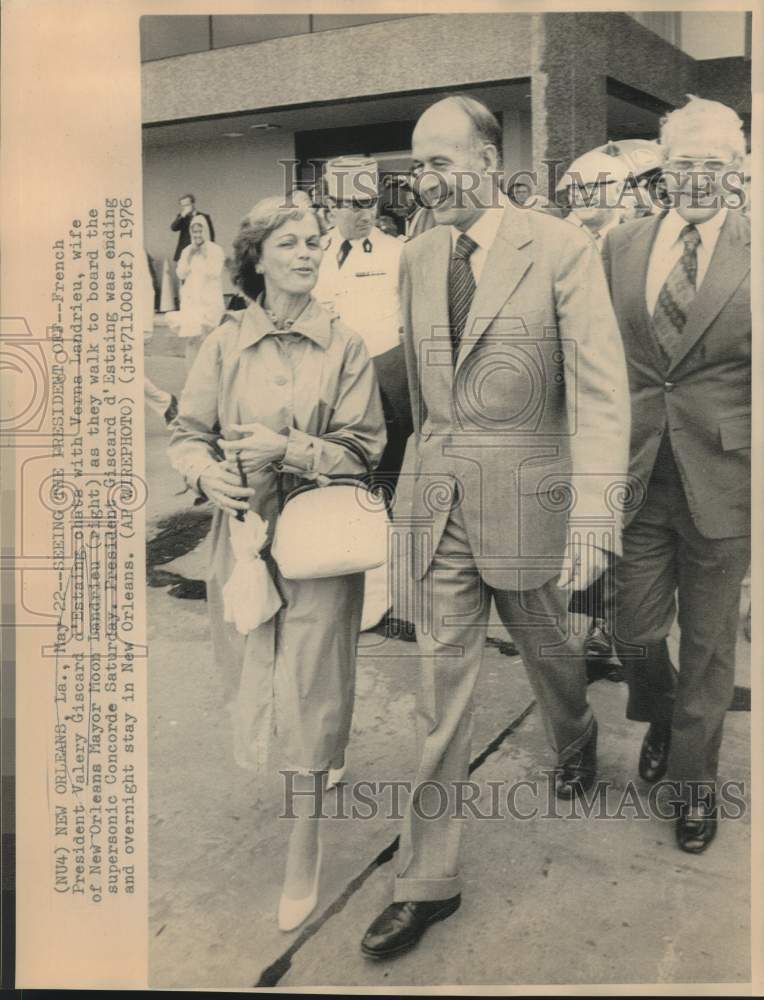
(520, 193)
(180, 224)
(594, 185)
(163, 403)
(200, 270)
(300, 387)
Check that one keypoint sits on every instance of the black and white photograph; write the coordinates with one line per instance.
(440, 496)
(449, 521)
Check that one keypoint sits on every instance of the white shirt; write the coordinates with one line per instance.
(598, 235)
(364, 291)
(483, 232)
(668, 248)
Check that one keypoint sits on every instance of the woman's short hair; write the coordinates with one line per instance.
(262, 220)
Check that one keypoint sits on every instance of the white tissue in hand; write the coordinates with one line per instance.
(250, 597)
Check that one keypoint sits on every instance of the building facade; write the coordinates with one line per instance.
(238, 107)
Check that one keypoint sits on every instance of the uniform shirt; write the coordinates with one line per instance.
(668, 248)
(363, 293)
(483, 232)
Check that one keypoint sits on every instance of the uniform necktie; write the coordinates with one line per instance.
(676, 295)
(344, 250)
(461, 288)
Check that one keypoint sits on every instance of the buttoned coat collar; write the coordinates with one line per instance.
(313, 323)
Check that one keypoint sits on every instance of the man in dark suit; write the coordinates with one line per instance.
(520, 402)
(182, 221)
(681, 291)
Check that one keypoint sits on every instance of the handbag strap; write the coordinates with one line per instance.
(352, 446)
(336, 479)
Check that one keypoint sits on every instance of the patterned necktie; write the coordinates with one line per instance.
(676, 295)
(461, 288)
(344, 250)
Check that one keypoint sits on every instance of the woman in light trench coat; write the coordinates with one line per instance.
(297, 392)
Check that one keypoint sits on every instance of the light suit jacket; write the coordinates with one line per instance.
(530, 429)
(703, 395)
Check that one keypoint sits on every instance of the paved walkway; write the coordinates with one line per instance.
(552, 899)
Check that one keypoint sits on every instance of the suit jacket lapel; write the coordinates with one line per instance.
(436, 268)
(728, 266)
(433, 344)
(506, 263)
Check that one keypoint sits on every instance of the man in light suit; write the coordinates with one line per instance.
(519, 398)
(681, 290)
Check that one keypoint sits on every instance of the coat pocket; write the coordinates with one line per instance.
(544, 476)
(735, 433)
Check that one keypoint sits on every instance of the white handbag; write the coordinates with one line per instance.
(331, 528)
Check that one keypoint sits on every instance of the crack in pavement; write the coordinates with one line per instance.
(272, 974)
(179, 534)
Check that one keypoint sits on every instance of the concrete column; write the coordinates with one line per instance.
(568, 92)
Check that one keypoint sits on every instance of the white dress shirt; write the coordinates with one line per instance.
(596, 235)
(668, 247)
(483, 232)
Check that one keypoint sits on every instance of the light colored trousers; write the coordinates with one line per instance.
(451, 645)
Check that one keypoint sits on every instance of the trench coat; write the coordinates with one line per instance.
(316, 384)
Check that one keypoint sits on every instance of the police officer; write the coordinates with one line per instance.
(358, 281)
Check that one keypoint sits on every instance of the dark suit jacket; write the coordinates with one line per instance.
(537, 401)
(703, 396)
(180, 224)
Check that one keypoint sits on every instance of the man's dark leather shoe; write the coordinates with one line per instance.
(577, 772)
(653, 757)
(696, 827)
(402, 925)
(395, 628)
(599, 642)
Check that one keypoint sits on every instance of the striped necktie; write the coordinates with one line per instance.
(461, 288)
(676, 295)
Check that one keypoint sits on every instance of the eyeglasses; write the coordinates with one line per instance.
(686, 166)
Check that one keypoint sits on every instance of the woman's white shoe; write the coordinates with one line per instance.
(335, 776)
(293, 912)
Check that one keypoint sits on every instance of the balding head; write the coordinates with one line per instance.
(455, 148)
(466, 118)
